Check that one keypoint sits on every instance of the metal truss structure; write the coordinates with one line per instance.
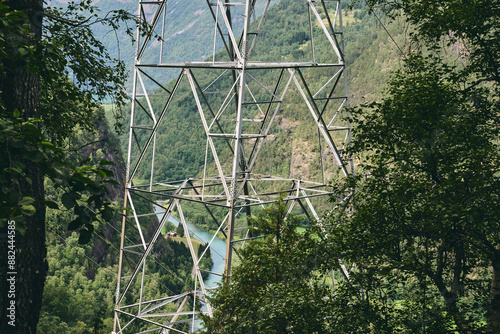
(240, 97)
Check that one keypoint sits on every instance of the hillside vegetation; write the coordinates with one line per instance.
(371, 55)
(81, 283)
(79, 293)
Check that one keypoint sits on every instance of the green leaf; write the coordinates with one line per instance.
(28, 210)
(23, 51)
(74, 224)
(80, 210)
(49, 145)
(52, 205)
(95, 189)
(33, 130)
(108, 172)
(100, 173)
(85, 236)
(107, 213)
(26, 201)
(106, 163)
(68, 201)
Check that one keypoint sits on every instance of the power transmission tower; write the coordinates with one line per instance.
(240, 96)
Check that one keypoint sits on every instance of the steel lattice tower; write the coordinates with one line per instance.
(239, 96)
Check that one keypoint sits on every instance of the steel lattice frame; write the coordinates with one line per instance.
(237, 118)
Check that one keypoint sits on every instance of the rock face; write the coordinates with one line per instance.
(105, 146)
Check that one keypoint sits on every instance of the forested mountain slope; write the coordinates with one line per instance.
(371, 55)
(80, 288)
(79, 292)
(185, 37)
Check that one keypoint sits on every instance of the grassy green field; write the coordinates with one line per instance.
(196, 243)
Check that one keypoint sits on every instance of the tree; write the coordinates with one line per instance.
(425, 204)
(279, 287)
(40, 47)
(474, 25)
(420, 231)
(33, 273)
(180, 230)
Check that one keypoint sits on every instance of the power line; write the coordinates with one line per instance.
(111, 273)
(83, 253)
(154, 259)
(388, 33)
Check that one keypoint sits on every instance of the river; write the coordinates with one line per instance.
(217, 247)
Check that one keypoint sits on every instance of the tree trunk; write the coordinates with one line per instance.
(20, 90)
(450, 299)
(493, 314)
(457, 317)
